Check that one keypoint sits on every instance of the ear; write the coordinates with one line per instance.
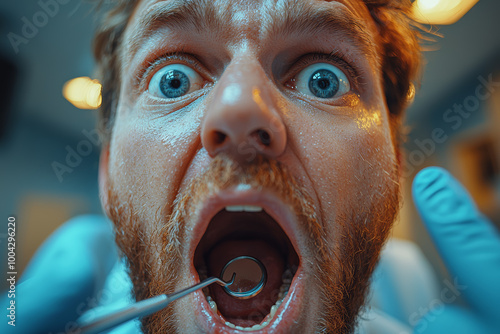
(104, 178)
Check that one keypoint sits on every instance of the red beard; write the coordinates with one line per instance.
(342, 268)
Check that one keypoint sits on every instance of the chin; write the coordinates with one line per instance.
(316, 282)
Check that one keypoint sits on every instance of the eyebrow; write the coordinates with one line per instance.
(179, 15)
(304, 18)
(299, 17)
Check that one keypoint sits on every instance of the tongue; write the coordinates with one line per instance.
(253, 310)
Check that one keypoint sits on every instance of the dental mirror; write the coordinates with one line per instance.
(251, 276)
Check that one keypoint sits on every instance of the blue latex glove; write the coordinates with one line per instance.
(469, 246)
(63, 278)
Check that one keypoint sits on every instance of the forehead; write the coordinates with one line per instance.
(238, 9)
(257, 19)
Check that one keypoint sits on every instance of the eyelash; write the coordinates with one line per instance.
(144, 76)
(335, 57)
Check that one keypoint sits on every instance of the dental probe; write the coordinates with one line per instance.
(142, 308)
(148, 306)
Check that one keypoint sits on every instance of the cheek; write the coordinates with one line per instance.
(148, 159)
(347, 159)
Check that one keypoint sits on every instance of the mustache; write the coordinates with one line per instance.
(260, 174)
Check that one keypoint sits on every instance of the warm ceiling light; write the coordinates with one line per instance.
(83, 93)
(441, 12)
(428, 4)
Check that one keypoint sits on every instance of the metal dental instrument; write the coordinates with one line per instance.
(142, 308)
(233, 273)
(251, 278)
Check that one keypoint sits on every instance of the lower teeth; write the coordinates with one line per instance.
(285, 286)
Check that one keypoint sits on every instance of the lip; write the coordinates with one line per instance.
(291, 307)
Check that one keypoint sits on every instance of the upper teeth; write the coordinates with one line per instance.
(240, 208)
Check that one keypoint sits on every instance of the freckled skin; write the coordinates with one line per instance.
(340, 151)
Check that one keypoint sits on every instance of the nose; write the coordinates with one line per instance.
(242, 119)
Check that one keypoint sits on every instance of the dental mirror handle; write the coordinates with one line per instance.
(140, 309)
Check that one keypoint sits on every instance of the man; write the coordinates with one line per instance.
(270, 129)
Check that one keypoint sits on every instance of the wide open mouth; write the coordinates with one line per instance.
(245, 230)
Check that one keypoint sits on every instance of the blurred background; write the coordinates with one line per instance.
(49, 150)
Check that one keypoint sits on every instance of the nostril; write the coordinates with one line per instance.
(219, 137)
(264, 137)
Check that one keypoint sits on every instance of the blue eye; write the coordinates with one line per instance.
(322, 80)
(174, 80)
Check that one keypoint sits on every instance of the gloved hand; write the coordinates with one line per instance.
(63, 278)
(469, 246)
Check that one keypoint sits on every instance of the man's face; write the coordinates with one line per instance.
(251, 128)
